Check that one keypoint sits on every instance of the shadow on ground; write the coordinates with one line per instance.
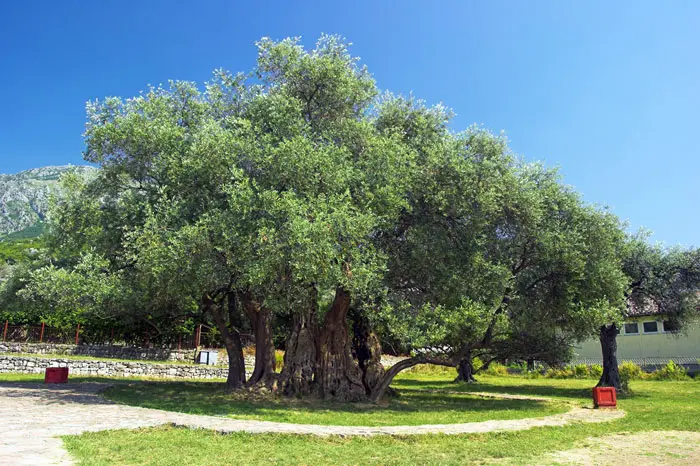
(520, 389)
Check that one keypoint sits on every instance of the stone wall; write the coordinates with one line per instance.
(101, 351)
(37, 365)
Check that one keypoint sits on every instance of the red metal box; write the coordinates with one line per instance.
(56, 375)
(604, 397)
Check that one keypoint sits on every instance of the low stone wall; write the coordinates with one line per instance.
(100, 351)
(37, 365)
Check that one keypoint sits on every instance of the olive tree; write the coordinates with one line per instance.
(664, 280)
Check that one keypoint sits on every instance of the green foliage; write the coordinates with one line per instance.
(596, 371)
(560, 373)
(630, 371)
(12, 252)
(664, 280)
(497, 369)
(431, 370)
(30, 233)
(581, 371)
(671, 371)
(299, 179)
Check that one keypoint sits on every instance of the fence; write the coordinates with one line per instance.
(201, 336)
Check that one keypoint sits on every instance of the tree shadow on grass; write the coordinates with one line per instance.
(519, 389)
(411, 407)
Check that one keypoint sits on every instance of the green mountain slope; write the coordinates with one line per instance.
(24, 199)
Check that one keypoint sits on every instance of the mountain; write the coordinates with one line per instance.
(24, 199)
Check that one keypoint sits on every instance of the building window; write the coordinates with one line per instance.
(670, 327)
(651, 327)
(631, 328)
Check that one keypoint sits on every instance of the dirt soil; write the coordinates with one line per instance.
(639, 449)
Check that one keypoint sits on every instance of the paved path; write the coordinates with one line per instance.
(32, 416)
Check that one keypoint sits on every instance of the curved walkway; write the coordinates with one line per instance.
(32, 417)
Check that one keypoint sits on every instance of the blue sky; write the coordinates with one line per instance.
(608, 91)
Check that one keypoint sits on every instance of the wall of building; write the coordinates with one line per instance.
(647, 348)
(37, 365)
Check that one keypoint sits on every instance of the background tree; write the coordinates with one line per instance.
(488, 243)
(661, 280)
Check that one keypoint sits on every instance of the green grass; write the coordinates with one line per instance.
(413, 407)
(654, 406)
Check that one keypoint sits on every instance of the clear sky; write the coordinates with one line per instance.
(608, 91)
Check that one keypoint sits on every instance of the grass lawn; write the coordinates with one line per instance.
(413, 407)
(654, 406)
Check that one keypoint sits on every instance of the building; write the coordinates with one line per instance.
(647, 339)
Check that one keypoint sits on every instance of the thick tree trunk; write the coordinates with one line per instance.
(465, 369)
(608, 343)
(261, 323)
(380, 389)
(232, 339)
(367, 350)
(236, 363)
(338, 375)
(301, 355)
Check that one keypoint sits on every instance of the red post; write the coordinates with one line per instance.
(41, 335)
(4, 333)
(197, 336)
(77, 334)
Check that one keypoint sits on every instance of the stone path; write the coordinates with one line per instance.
(32, 416)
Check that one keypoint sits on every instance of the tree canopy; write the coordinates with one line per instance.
(299, 193)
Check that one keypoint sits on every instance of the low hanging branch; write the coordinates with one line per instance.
(383, 385)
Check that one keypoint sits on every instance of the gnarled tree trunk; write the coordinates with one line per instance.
(231, 336)
(261, 323)
(367, 350)
(608, 343)
(301, 355)
(338, 375)
(465, 369)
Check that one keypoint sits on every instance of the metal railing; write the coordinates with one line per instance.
(201, 336)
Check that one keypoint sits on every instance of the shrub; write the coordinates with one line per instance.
(581, 371)
(497, 369)
(560, 373)
(517, 367)
(596, 371)
(630, 371)
(432, 369)
(671, 371)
